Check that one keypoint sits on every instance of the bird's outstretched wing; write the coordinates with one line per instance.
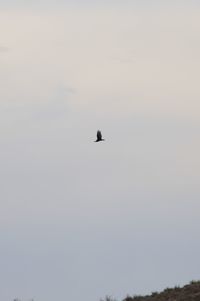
(99, 136)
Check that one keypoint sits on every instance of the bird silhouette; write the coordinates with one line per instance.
(99, 137)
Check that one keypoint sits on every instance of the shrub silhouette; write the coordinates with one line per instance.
(189, 292)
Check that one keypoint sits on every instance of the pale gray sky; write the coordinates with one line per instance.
(81, 220)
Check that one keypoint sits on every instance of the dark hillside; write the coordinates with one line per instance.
(190, 292)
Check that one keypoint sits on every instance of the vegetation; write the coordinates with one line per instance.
(189, 292)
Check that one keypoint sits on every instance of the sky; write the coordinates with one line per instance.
(81, 220)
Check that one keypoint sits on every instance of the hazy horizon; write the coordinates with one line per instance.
(81, 220)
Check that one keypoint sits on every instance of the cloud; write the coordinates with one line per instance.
(54, 106)
(133, 73)
(3, 48)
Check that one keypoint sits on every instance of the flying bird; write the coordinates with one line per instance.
(99, 137)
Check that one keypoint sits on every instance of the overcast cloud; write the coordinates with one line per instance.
(78, 219)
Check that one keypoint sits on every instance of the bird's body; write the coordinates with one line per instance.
(99, 137)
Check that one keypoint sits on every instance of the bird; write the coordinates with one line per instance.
(99, 137)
